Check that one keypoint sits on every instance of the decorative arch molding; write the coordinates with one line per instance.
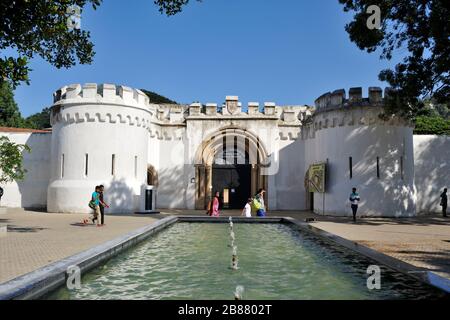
(213, 143)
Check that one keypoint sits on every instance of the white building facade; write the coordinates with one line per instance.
(113, 135)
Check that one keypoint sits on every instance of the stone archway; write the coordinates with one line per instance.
(239, 141)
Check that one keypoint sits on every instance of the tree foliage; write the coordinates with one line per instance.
(419, 28)
(171, 7)
(11, 160)
(40, 120)
(433, 119)
(157, 98)
(9, 111)
(432, 125)
(40, 27)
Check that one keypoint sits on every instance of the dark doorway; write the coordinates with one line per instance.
(234, 184)
(311, 201)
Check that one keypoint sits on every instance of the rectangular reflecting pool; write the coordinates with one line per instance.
(275, 261)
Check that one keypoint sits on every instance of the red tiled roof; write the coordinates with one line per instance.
(23, 130)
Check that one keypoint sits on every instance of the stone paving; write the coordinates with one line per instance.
(35, 239)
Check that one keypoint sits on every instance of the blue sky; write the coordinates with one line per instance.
(286, 51)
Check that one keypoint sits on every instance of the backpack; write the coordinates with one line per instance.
(92, 202)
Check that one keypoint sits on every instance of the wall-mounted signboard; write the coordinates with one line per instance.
(316, 177)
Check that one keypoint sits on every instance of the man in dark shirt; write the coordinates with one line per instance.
(102, 205)
(444, 202)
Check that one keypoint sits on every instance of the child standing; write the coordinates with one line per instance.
(247, 212)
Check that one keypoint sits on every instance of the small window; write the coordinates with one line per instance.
(135, 166)
(113, 164)
(378, 167)
(350, 166)
(62, 165)
(86, 165)
(401, 168)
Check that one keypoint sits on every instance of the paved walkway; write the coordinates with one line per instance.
(35, 239)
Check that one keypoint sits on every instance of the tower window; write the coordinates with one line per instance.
(401, 168)
(135, 166)
(350, 167)
(378, 167)
(113, 164)
(62, 165)
(86, 165)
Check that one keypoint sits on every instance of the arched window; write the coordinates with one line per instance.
(152, 177)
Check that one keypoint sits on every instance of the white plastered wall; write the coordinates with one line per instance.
(32, 191)
(432, 170)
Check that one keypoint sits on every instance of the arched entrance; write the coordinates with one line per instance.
(230, 161)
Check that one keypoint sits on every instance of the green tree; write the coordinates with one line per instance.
(419, 29)
(156, 98)
(40, 120)
(171, 7)
(11, 160)
(9, 112)
(43, 28)
(432, 125)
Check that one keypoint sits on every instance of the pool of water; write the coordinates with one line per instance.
(193, 261)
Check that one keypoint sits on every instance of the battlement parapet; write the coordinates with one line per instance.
(234, 109)
(100, 93)
(338, 99)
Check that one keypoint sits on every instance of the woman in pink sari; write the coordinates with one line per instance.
(215, 205)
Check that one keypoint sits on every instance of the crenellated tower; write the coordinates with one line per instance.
(363, 151)
(100, 136)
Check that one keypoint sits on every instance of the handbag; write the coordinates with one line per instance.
(256, 205)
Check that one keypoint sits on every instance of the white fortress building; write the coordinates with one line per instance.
(113, 135)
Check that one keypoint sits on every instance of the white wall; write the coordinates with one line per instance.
(172, 176)
(432, 170)
(289, 180)
(32, 192)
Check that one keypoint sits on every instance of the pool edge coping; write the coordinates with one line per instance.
(422, 274)
(38, 283)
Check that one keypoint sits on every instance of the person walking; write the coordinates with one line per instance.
(103, 205)
(94, 204)
(354, 200)
(215, 205)
(259, 205)
(247, 212)
(444, 202)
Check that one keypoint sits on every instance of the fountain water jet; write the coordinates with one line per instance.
(238, 293)
(234, 258)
